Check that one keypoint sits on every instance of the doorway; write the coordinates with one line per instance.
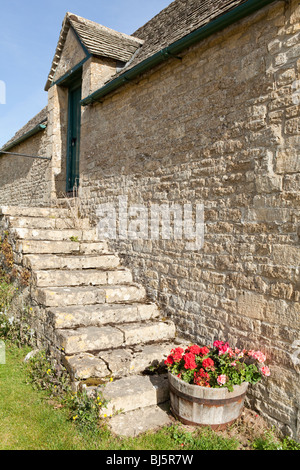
(73, 144)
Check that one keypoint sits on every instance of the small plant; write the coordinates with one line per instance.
(7, 291)
(17, 329)
(269, 441)
(7, 251)
(217, 366)
(47, 374)
(74, 239)
(85, 409)
(24, 277)
(44, 373)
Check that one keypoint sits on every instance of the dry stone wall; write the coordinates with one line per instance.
(220, 127)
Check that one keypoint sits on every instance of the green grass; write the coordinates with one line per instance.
(28, 421)
(31, 420)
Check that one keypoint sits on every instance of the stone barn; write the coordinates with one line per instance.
(199, 108)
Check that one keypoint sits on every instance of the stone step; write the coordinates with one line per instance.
(84, 366)
(120, 362)
(49, 223)
(136, 333)
(89, 339)
(61, 247)
(64, 296)
(16, 211)
(99, 315)
(45, 261)
(56, 235)
(81, 277)
(108, 337)
(141, 420)
(134, 392)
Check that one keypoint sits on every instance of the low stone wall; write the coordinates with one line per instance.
(218, 127)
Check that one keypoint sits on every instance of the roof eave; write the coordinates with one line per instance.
(35, 130)
(175, 48)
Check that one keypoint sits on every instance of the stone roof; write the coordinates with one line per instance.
(40, 118)
(97, 40)
(104, 42)
(177, 20)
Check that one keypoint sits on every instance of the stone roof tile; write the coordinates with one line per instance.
(40, 118)
(105, 42)
(98, 40)
(177, 20)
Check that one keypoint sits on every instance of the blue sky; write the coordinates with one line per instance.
(28, 37)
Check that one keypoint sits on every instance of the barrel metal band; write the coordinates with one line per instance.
(216, 427)
(205, 401)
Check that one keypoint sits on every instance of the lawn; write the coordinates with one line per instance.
(31, 420)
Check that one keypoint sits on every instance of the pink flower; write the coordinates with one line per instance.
(218, 344)
(239, 353)
(265, 371)
(258, 355)
(221, 379)
(222, 347)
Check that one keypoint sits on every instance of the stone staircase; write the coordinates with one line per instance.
(91, 314)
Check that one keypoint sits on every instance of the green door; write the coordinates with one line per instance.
(73, 153)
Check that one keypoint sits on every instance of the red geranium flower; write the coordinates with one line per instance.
(194, 349)
(201, 378)
(208, 363)
(169, 360)
(177, 354)
(204, 351)
(189, 361)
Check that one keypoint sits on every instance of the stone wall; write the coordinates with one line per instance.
(220, 127)
(26, 181)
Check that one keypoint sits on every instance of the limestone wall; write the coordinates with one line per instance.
(26, 181)
(219, 127)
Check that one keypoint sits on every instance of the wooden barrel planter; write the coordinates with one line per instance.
(204, 406)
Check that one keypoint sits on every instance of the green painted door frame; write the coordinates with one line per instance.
(73, 144)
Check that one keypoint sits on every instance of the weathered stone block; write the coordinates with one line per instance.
(286, 255)
(85, 366)
(135, 392)
(89, 339)
(135, 333)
